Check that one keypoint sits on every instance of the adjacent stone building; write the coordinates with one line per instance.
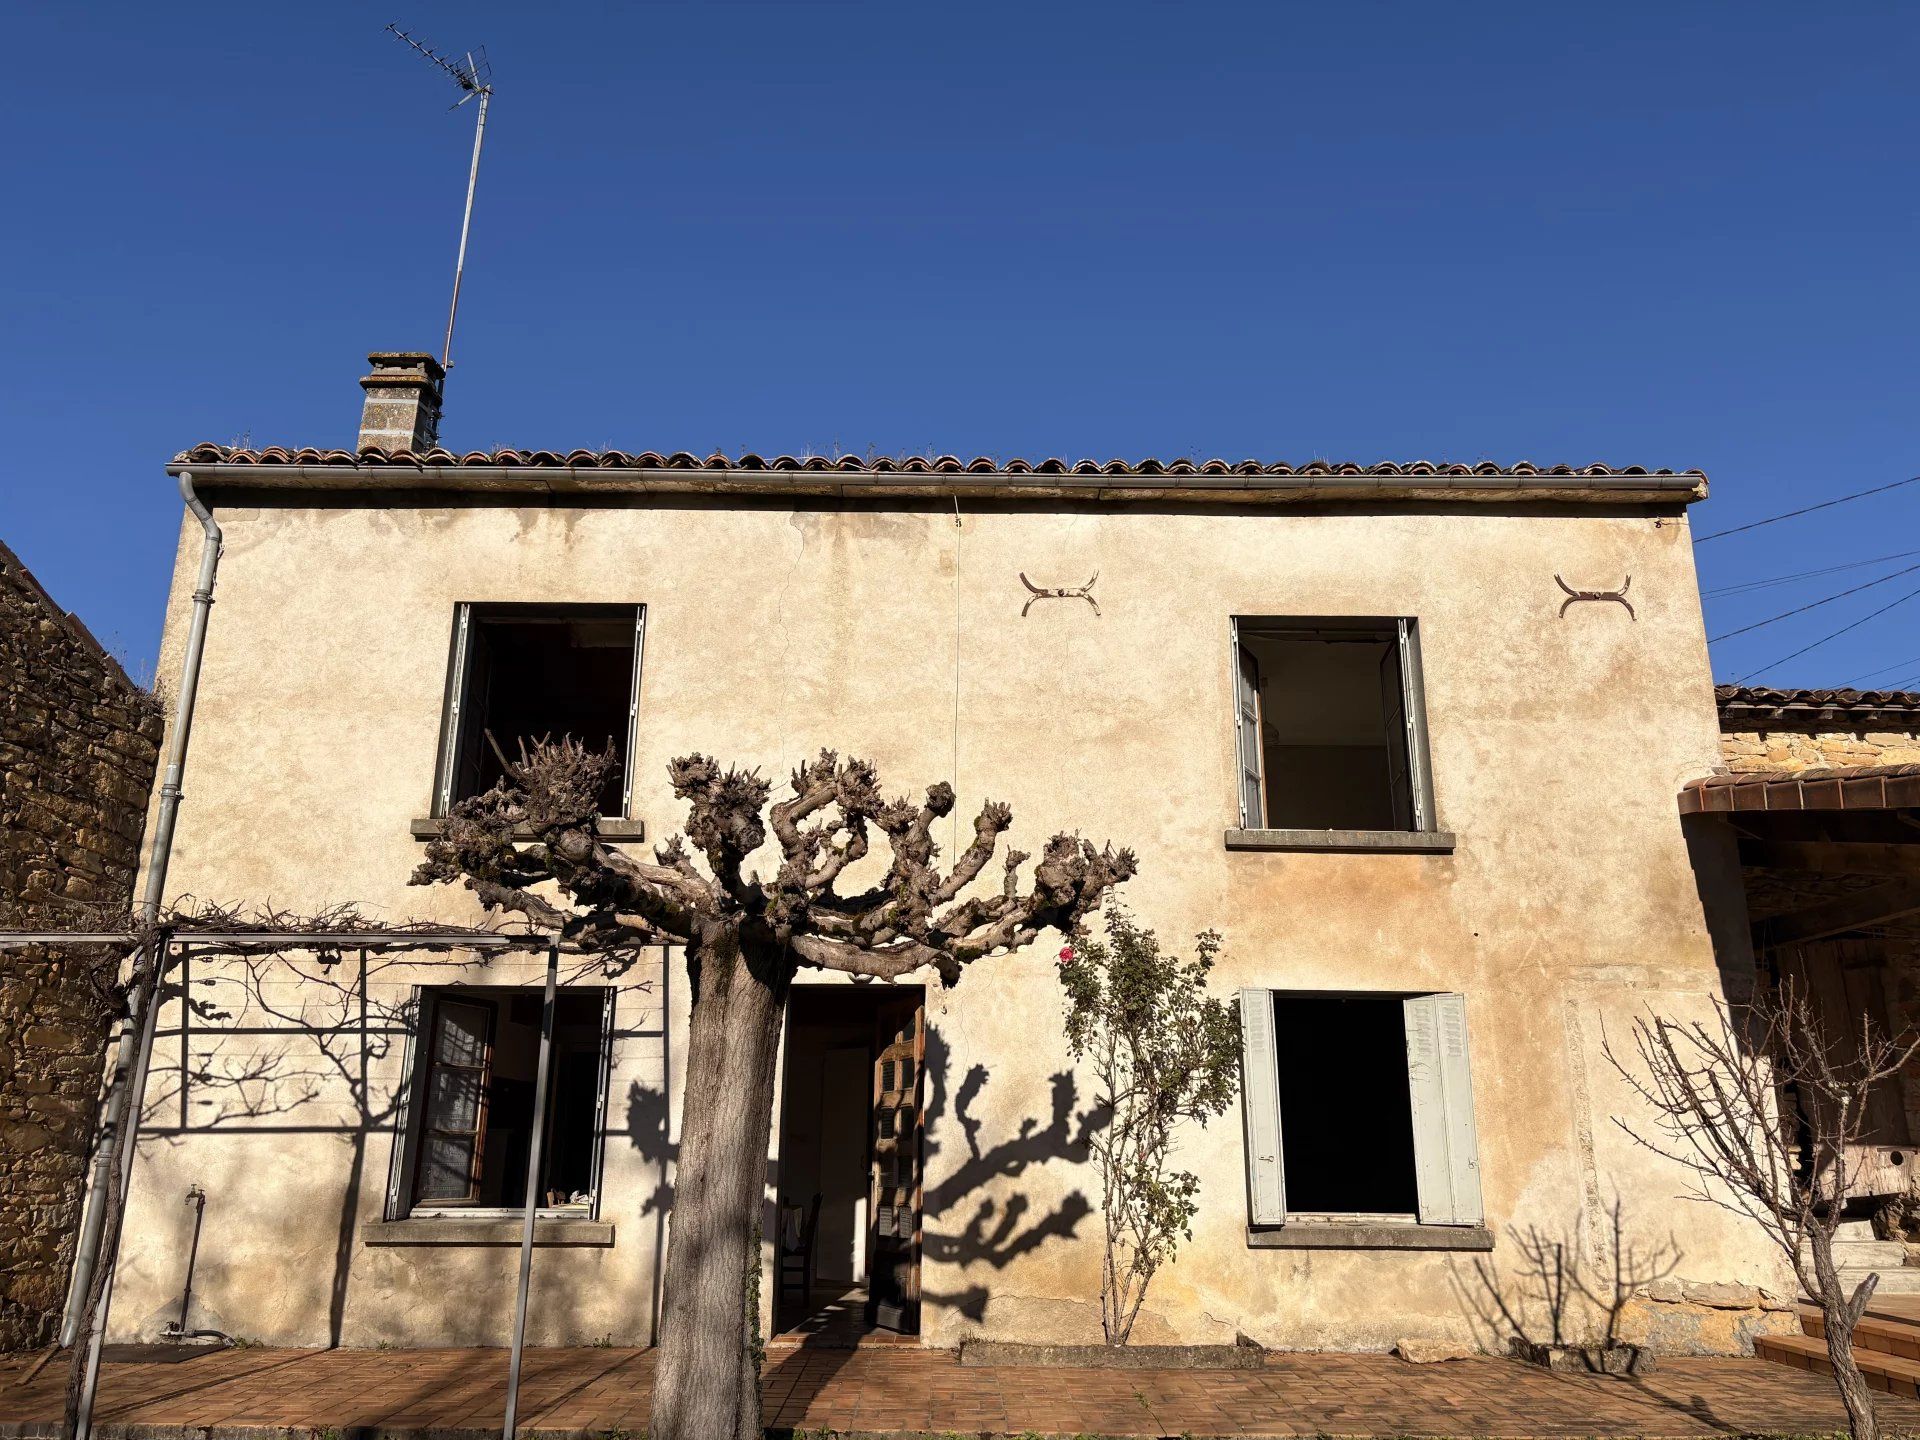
(78, 741)
(1823, 787)
(1767, 729)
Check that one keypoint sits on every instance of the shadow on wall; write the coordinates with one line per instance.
(990, 1231)
(1572, 1289)
(267, 1043)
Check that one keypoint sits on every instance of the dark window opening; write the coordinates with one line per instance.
(479, 1063)
(1346, 1115)
(530, 673)
(1327, 701)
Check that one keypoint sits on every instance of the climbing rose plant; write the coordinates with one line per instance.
(1163, 1052)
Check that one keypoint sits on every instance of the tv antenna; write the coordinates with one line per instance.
(474, 76)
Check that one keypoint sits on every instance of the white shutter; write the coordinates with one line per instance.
(400, 1160)
(1414, 716)
(1246, 724)
(1260, 1104)
(456, 700)
(1393, 720)
(633, 713)
(1446, 1158)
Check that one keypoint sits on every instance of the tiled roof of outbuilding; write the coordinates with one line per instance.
(1745, 703)
(1853, 787)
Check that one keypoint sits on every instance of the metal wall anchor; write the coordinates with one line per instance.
(1619, 595)
(1079, 592)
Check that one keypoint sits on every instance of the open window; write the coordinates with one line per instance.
(1330, 726)
(469, 1124)
(1358, 1107)
(519, 673)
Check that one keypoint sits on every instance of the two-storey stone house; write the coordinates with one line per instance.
(1355, 718)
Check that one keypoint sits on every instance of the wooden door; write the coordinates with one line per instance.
(893, 1237)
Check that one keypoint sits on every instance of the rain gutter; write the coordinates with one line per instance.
(586, 479)
(159, 853)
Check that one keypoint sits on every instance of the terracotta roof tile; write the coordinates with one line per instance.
(208, 454)
(1852, 787)
(1741, 705)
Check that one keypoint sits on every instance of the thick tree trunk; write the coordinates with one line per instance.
(708, 1385)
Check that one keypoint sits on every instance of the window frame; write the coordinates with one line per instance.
(1445, 1134)
(410, 1109)
(467, 616)
(1253, 833)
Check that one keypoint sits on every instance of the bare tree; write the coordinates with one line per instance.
(1763, 1110)
(531, 846)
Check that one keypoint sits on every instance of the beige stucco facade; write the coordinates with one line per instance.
(1569, 903)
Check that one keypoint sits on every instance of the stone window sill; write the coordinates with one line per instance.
(486, 1230)
(620, 832)
(1376, 842)
(1368, 1235)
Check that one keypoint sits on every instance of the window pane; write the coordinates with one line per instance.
(462, 1038)
(446, 1167)
(453, 1102)
(906, 1073)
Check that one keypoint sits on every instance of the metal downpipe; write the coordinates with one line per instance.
(159, 852)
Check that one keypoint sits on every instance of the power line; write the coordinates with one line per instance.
(1825, 638)
(1807, 510)
(1897, 665)
(1813, 605)
(1746, 585)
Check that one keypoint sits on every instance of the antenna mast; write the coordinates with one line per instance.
(474, 77)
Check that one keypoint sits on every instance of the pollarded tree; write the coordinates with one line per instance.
(531, 845)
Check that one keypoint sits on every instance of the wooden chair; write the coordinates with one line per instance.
(796, 1255)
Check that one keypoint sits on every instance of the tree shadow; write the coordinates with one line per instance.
(992, 1232)
(1565, 1289)
(306, 1043)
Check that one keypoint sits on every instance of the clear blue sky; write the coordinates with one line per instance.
(1667, 235)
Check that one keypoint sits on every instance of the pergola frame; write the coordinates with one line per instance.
(128, 1091)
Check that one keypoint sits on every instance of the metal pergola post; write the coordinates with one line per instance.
(533, 1193)
(136, 1092)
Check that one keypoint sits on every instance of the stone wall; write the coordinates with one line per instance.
(78, 742)
(1795, 749)
(1768, 729)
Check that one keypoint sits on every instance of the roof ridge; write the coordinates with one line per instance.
(612, 459)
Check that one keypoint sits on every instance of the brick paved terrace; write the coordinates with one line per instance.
(242, 1394)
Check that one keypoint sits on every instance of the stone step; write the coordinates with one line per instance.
(1884, 1334)
(1869, 1254)
(1854, 1230)
(1887, 1373)
(1902, 1281)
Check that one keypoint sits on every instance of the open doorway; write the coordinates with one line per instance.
(850, 1153)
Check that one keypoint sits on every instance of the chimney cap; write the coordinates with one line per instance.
(403, 366)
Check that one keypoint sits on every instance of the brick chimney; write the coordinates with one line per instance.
(403, 402)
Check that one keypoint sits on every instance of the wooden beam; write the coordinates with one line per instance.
(1893, 901)
(1833, 857)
